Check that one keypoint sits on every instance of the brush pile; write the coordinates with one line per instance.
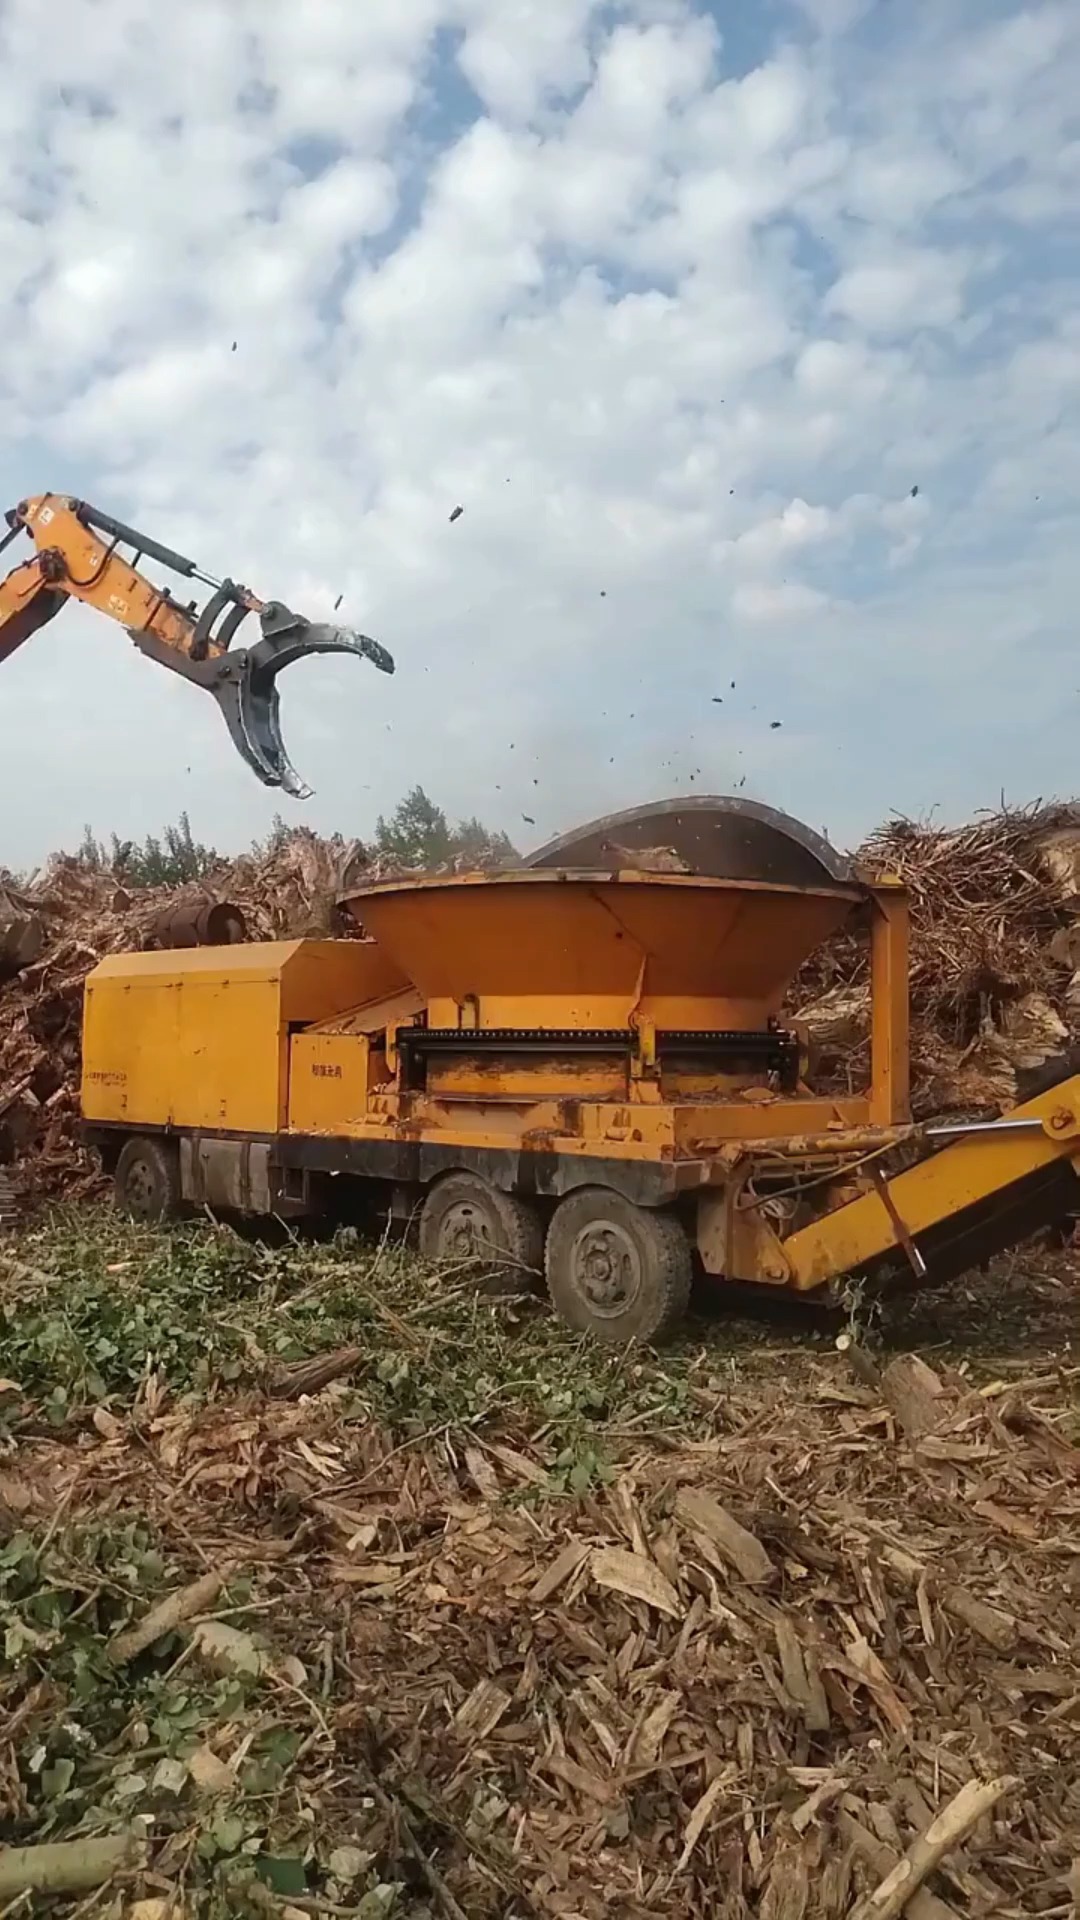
(995, 947)
(73, 914)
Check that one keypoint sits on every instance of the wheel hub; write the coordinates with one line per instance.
(140, 1185)
(465, 1232)
(606, 1268)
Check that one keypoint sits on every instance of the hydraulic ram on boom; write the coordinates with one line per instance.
(78, 557)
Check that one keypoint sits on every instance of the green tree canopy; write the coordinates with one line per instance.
(167, 861)
(418, 834)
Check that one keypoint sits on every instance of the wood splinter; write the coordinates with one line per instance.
(947, 1830)
(167, 1615)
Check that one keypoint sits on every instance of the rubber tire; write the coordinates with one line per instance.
(666, 1268)
(155, 1167)
(513, 1228)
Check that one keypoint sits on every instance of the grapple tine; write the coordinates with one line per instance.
(264, 714)
(288, 637)
(247, 693)
(253, 741)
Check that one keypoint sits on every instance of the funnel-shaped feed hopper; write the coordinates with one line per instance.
(558, 950)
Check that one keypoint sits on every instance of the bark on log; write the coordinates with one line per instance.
(914, 1392)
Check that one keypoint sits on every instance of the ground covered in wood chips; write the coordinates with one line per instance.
(460, 1615)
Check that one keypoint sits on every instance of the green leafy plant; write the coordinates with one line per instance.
(418, 834)
(204, 1308)
(170, 859)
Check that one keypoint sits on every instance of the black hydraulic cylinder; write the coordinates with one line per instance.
(116, 529)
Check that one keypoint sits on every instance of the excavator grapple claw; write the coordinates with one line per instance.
(80, 556)
(245, 687)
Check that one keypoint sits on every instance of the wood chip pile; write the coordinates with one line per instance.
(829, 1649)
(995, 947)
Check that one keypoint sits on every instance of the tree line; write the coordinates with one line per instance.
(417, 834)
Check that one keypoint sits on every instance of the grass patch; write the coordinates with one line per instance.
(91, 1306)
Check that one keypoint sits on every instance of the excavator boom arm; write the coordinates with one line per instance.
(79, 557)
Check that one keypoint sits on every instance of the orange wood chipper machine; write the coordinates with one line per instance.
(579, 1068)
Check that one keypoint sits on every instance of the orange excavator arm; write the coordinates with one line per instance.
(78, 556)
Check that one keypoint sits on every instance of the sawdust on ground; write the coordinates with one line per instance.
(739, 1678)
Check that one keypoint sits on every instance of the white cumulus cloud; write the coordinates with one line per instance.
(746, 339)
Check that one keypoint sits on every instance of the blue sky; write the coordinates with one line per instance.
(747, 337)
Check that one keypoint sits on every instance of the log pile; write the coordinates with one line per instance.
(995, 952)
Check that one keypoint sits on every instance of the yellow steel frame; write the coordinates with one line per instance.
(973, 1168)
(889, 1099)
(303, 1038)
(202, 1038)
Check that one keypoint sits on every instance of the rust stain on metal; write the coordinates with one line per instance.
(199, 923)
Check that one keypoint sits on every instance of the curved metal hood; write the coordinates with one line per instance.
(716, 835)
